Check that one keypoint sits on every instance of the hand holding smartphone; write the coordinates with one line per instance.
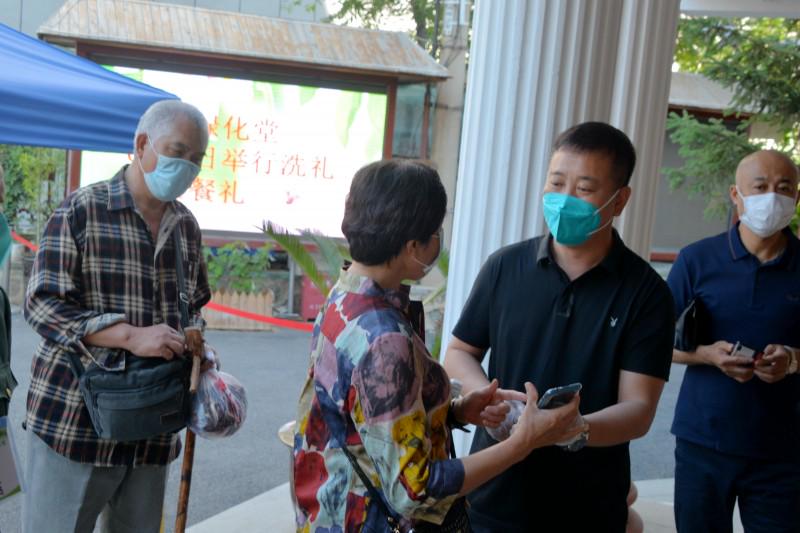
(555, 397)
(740, 350)
(558, 396)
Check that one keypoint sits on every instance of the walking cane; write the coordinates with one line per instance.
(194, 340)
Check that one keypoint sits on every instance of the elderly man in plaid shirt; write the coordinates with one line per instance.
(103, 283)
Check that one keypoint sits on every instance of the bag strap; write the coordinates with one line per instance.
(394, 523)
(75, 364)
(183, 298)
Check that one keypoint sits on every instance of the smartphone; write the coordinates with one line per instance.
(558, 396)
(741, 350)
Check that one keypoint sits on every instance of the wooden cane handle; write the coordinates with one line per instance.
(195, 343)
(195, 380)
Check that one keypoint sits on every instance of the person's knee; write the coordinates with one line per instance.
(633, 493)
(635, 522)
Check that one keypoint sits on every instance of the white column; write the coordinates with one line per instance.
(639, 107)
(536, 68)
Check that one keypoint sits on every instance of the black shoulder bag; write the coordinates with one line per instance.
(150, 397)
(691, 328)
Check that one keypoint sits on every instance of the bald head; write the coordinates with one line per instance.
(762, 172)
(767, 167)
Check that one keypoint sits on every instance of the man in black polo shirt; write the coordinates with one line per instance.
(575, 305)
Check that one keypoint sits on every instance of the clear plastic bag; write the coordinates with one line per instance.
(210, 357)
(219, 407)
(503, 431)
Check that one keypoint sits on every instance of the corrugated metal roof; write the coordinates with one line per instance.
(141, 23)
(696, 91)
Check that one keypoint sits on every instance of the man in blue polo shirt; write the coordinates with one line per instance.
(737, 421)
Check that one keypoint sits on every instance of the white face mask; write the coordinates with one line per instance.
(768, 213)
(426, 269)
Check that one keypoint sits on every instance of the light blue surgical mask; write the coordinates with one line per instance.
(5, 239)
(572, 220)
(171, 177)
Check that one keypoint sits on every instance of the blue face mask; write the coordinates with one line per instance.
(171, 177)
(572, 220)
(5, 239)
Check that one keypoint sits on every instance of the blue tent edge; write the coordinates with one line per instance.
(84, 107)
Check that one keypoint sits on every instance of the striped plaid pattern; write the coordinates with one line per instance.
(97, 265)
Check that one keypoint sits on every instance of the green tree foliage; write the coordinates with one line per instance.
(711, 151)
(34, 182)
(371, 13)
(237, 268)
(759, 61)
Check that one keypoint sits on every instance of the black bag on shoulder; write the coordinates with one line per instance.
(150, 397)
(691, 328)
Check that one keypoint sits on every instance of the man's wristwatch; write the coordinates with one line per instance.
(794, 360)
(580, 442)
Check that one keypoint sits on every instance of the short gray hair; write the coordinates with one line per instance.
(160, 117)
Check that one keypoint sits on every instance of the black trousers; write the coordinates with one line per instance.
(708, 484)
(557, 492)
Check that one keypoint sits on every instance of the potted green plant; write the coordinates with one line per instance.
(238, 278)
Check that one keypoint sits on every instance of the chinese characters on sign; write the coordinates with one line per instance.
(276, 151)
(262, 156)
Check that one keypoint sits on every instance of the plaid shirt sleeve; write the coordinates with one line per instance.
(53, 304)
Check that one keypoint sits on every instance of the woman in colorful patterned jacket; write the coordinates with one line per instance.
(375, 397)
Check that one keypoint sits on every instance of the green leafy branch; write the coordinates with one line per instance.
(28, 170)
(711, 152)
(759, 61)
(237, 268)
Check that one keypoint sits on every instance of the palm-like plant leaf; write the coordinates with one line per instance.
(329, 249)
(344, 251)
(293, 246)
(436, 293)
(444, 261)
(443, 264)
